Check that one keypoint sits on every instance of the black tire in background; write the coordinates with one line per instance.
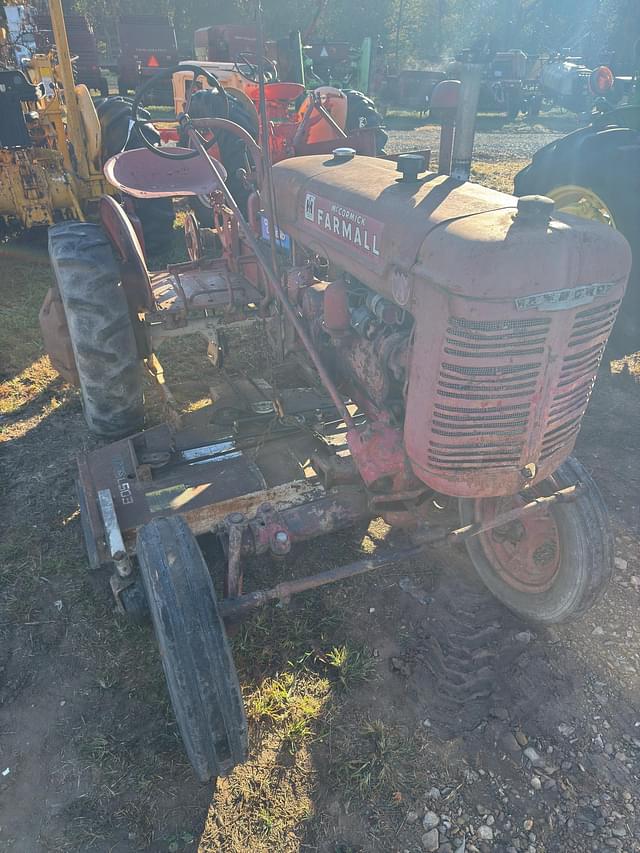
(206, 103)
(196, 658)
(607, 162)
(157, 214)
(513, 102)
(586, 552)
(102, 337)
(362, 112)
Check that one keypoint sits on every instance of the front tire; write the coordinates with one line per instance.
(554, 565)
(102, 336)
(196, 658)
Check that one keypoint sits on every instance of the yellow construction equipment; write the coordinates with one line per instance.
(50, 163)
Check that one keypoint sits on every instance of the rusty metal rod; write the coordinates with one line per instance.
(234, 608)
(568, 495)
(326, 115)
(212, 123)
(274, 282)
(466, 119)
(264, 142)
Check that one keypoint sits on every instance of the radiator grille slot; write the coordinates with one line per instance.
(507, 358)
(585, 347)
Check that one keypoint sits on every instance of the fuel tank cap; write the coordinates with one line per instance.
(343, 154)
(410, 166)
(536, 209)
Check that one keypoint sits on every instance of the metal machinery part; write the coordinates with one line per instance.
(452, 333)
(507, 312)
(465, 326)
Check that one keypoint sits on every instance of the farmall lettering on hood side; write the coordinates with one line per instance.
(349, 226)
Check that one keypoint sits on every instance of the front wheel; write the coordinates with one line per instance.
(196, 658)
(552, 565)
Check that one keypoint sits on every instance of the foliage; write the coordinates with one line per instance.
(420, 30)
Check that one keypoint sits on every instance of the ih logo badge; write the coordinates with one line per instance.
(310, 207)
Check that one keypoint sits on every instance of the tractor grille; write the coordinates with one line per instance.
(585, 347)
(507, 357)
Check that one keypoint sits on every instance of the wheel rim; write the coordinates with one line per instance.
(582, 202)
(525, 553)
(192, 237)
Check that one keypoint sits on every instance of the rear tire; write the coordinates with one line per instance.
(102, 337)
(196, 658)
(606, 162)
(513, 103)
(584, 545)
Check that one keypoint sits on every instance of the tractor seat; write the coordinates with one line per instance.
(143, 174)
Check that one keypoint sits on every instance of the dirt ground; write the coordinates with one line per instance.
(402, 712)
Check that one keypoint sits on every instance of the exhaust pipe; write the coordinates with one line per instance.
(470, 74)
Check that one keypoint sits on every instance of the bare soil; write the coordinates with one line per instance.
(371, 704)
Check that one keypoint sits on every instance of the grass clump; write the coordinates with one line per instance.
(351, 665)
(291, 703)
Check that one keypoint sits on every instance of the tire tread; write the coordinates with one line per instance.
(102, 336)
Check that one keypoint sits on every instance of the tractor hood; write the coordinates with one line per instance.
(398, 236)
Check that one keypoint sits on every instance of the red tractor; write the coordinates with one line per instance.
(433, 346)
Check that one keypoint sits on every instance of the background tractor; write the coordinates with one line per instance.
(50, 154)
(426, 350)
(54, 140)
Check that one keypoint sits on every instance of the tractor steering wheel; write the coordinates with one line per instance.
(139, 120)
(251, 62)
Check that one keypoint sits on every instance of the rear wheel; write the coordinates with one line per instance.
(549, 566)
(195, 653)
(596, 175)
(102, 336)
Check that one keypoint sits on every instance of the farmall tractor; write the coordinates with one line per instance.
(438, 343)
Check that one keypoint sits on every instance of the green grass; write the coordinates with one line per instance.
(351, 665)
(291, 703)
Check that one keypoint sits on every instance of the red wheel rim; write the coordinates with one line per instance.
(524, 553)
